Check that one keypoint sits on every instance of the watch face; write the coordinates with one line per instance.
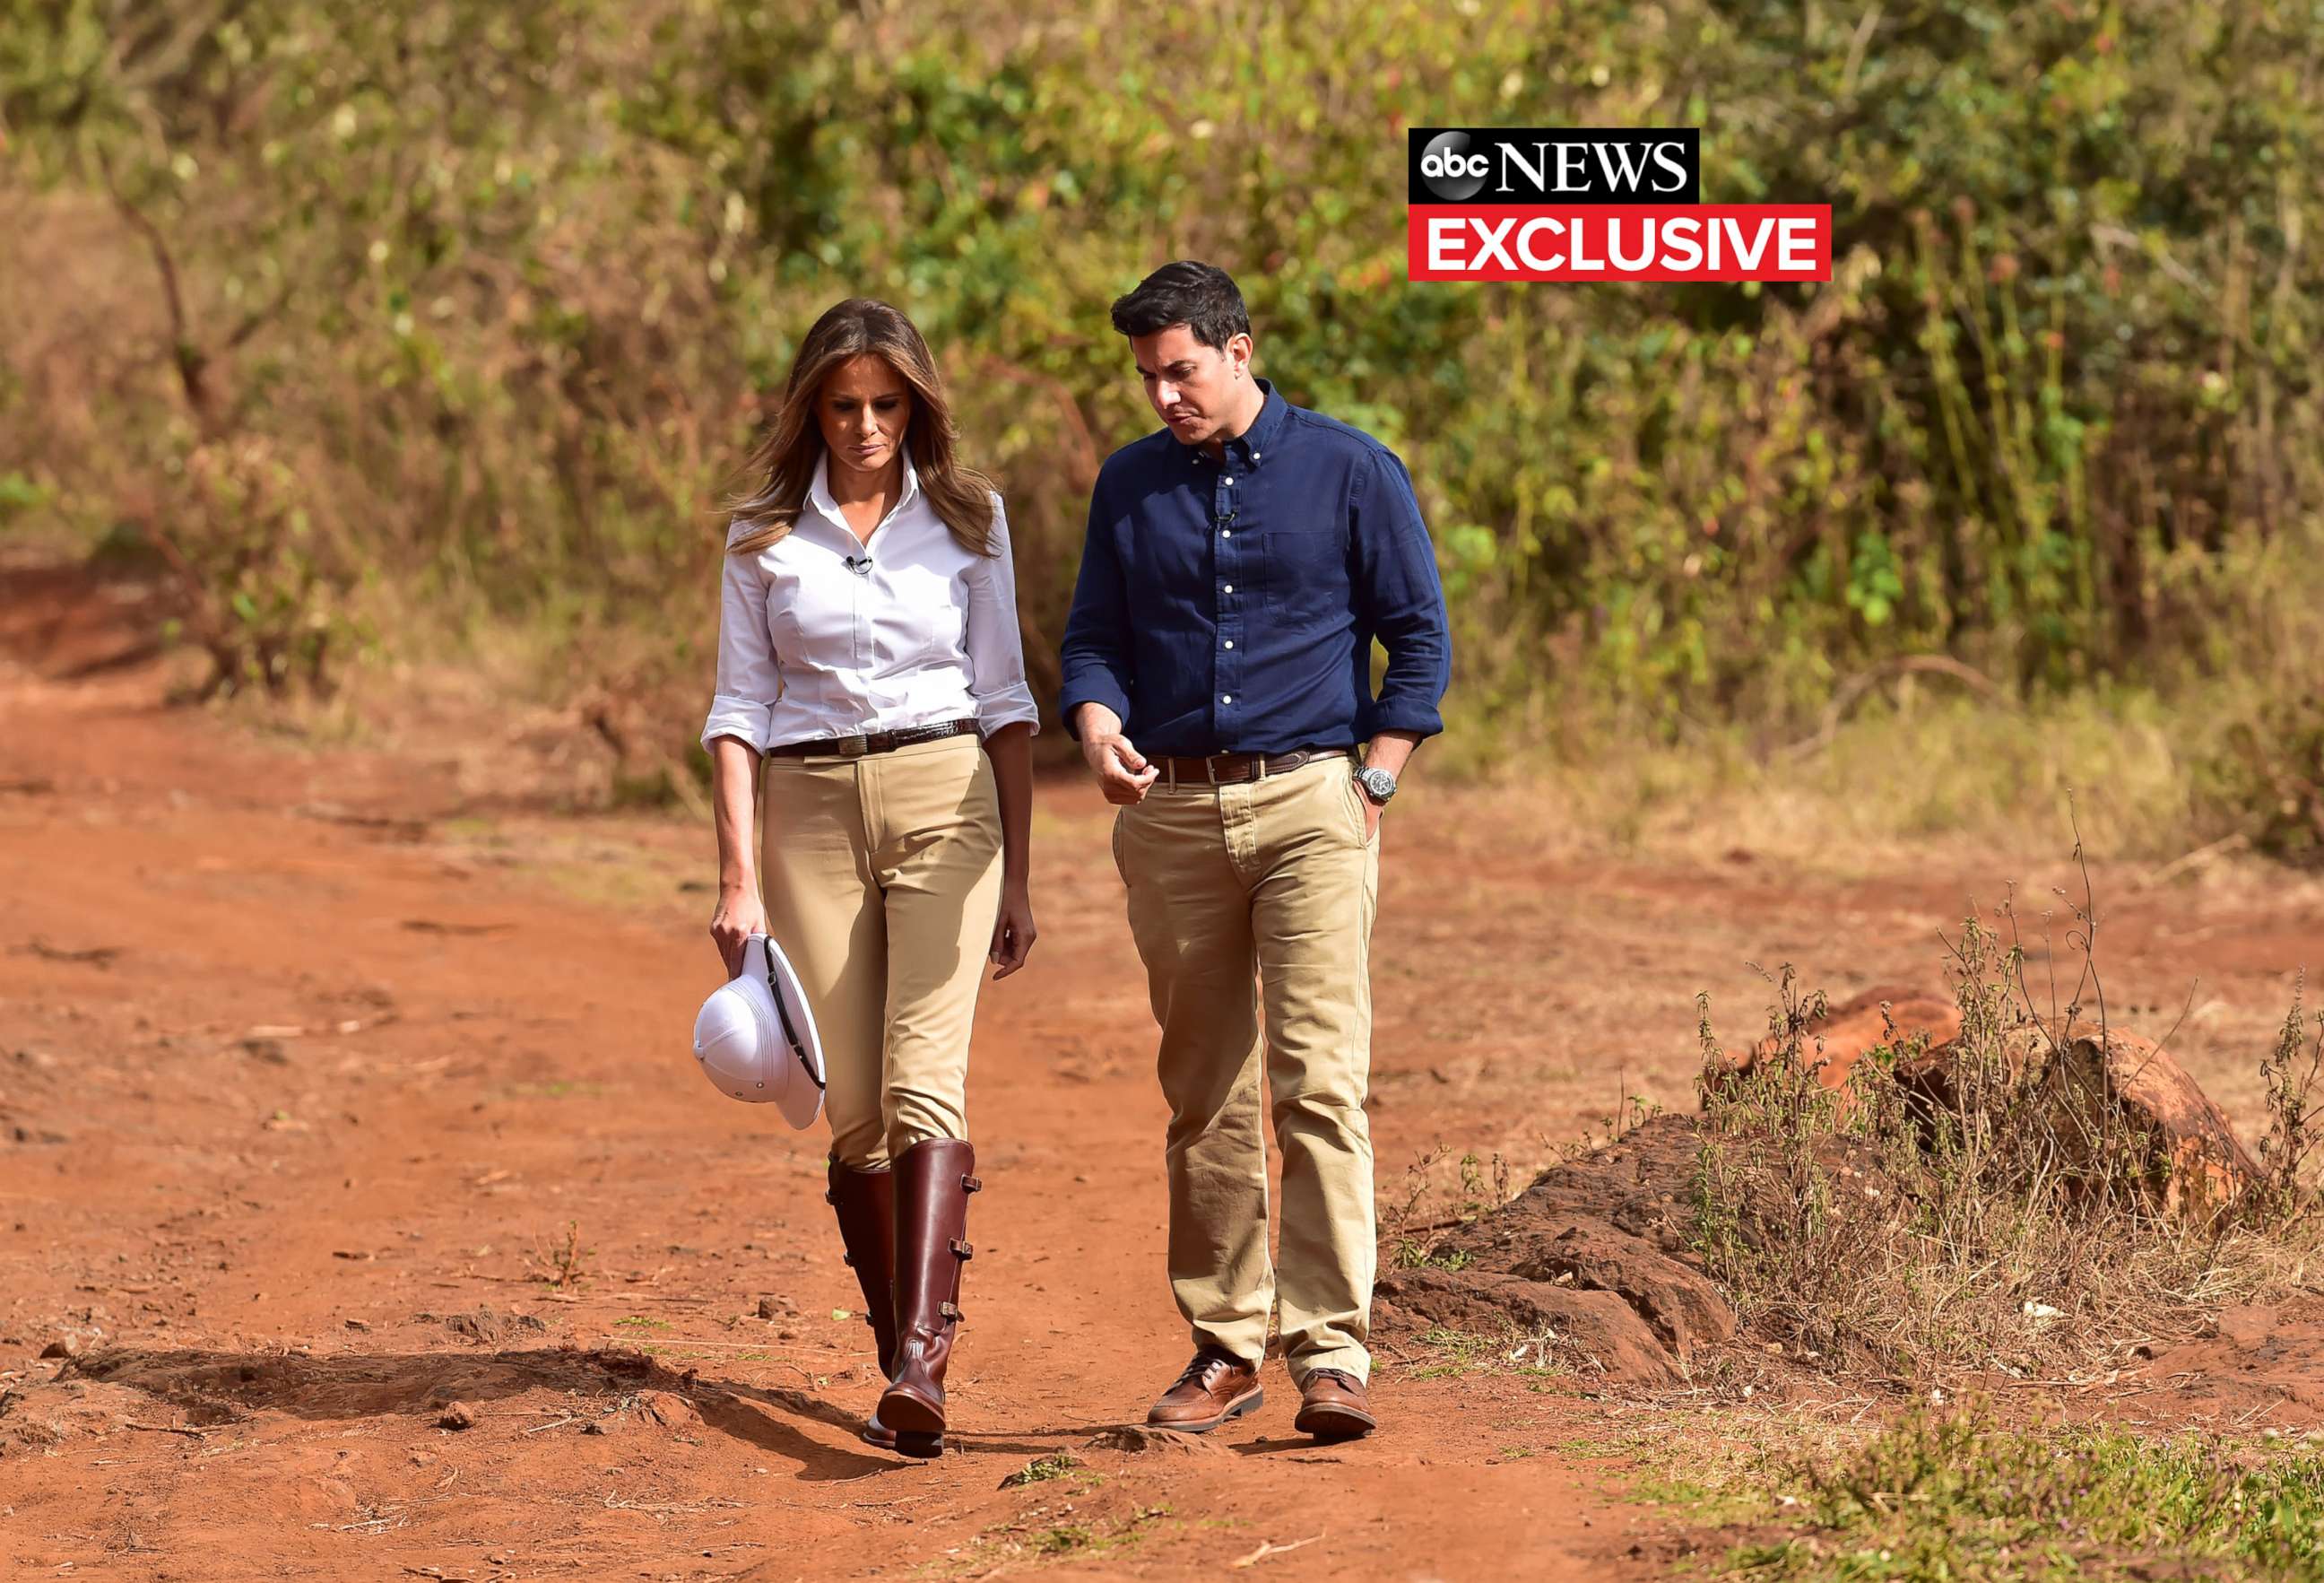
(1378, 784)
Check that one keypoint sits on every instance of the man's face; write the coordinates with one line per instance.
(1194, 388)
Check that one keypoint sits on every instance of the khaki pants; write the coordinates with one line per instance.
(883, 881)
(1253, 904)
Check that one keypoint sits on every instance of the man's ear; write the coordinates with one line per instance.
(1239, 347)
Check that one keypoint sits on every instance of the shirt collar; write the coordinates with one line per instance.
(818, 491)
(1250, 446)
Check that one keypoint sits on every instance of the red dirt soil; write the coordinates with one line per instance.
(309, 1058)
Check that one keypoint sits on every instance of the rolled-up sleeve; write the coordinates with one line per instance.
(750, 679)
(1401, 597)
(996, 648)
(1093, 659)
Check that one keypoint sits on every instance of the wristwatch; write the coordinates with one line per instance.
(1377, 784)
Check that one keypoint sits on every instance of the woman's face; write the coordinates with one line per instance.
(864, 407)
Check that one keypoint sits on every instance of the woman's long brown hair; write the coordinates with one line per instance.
(784, 462)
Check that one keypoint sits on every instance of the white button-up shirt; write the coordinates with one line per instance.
(925, 631)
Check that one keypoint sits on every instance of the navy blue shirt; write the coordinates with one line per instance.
(1229, 605)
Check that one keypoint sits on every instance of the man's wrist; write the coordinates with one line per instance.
(1377, 784)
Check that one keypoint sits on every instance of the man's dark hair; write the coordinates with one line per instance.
(1201, 296)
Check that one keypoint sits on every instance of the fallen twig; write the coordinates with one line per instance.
(1269, 1549)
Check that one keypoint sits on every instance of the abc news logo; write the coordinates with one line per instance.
(1582, 204)
(1495, 166)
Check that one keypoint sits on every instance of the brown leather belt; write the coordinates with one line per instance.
(1233, 769)
(876, 742)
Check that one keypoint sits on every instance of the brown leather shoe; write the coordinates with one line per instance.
(1332, 1406)
(865, 1202)
(933, 1181)
(1216, 1386)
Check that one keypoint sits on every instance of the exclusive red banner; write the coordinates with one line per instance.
(1620, 242)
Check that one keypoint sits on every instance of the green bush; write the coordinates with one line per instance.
(513, 285)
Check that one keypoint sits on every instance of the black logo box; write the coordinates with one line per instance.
(1513, 153)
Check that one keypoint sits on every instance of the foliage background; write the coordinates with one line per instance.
(438, 326)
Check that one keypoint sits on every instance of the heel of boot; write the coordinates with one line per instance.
(926, 1447)
(908, 1411)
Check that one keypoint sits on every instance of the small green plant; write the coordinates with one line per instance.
(1462, 1353)
(1041, 1469)
(1416, 1227)
(1064, 1539)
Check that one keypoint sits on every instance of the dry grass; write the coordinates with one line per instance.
(1869, 1229)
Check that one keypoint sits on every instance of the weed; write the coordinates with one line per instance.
(1951, 1494)
(1462, 1353)
(1064, 1539)
(640, 1322)
(1041, 1469)
(564, 1266)
(2290, 1073)
(1415, 1228)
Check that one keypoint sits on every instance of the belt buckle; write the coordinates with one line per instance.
(851, 746)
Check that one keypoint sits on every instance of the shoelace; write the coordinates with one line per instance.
(1199, 1371)
(1348, 1382)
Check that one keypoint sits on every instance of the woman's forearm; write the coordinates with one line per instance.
(735, 793)
(1011, 750)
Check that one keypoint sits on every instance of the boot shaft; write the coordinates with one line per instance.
(865, 1204)
(933, 1180)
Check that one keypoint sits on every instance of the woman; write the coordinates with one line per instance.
(867, 641)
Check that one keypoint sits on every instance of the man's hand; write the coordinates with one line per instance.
(1391, 751)
(1123, 773)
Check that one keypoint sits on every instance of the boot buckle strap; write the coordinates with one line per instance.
(950, 1310)
(972, 1184)
(961, 1249)
(848, 1259)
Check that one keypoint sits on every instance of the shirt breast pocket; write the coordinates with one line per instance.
(812, 619)
(1303, 569)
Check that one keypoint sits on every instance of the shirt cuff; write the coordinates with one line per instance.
(1012, 705)
(738, 717)
(1420, 718)
(1098, 688)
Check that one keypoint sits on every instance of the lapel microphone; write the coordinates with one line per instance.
(861, 567)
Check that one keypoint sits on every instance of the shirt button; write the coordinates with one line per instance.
(1226, 698)
(1229, 587)
(1229, 642)
(1226, 533)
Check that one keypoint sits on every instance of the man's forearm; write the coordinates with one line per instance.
(1093, 721)
(1391, 751)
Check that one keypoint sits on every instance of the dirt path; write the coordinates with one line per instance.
(303, 1058)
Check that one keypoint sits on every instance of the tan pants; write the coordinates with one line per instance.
(1250, 904)
(883, 881)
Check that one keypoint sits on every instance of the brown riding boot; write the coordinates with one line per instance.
(933, 1182)
(865, 1203)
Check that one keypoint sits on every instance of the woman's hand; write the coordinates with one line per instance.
(1013, 932)
(739, 915)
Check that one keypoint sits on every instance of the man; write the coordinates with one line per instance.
(1218, 673)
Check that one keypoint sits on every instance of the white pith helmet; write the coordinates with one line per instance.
(755, 1036)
